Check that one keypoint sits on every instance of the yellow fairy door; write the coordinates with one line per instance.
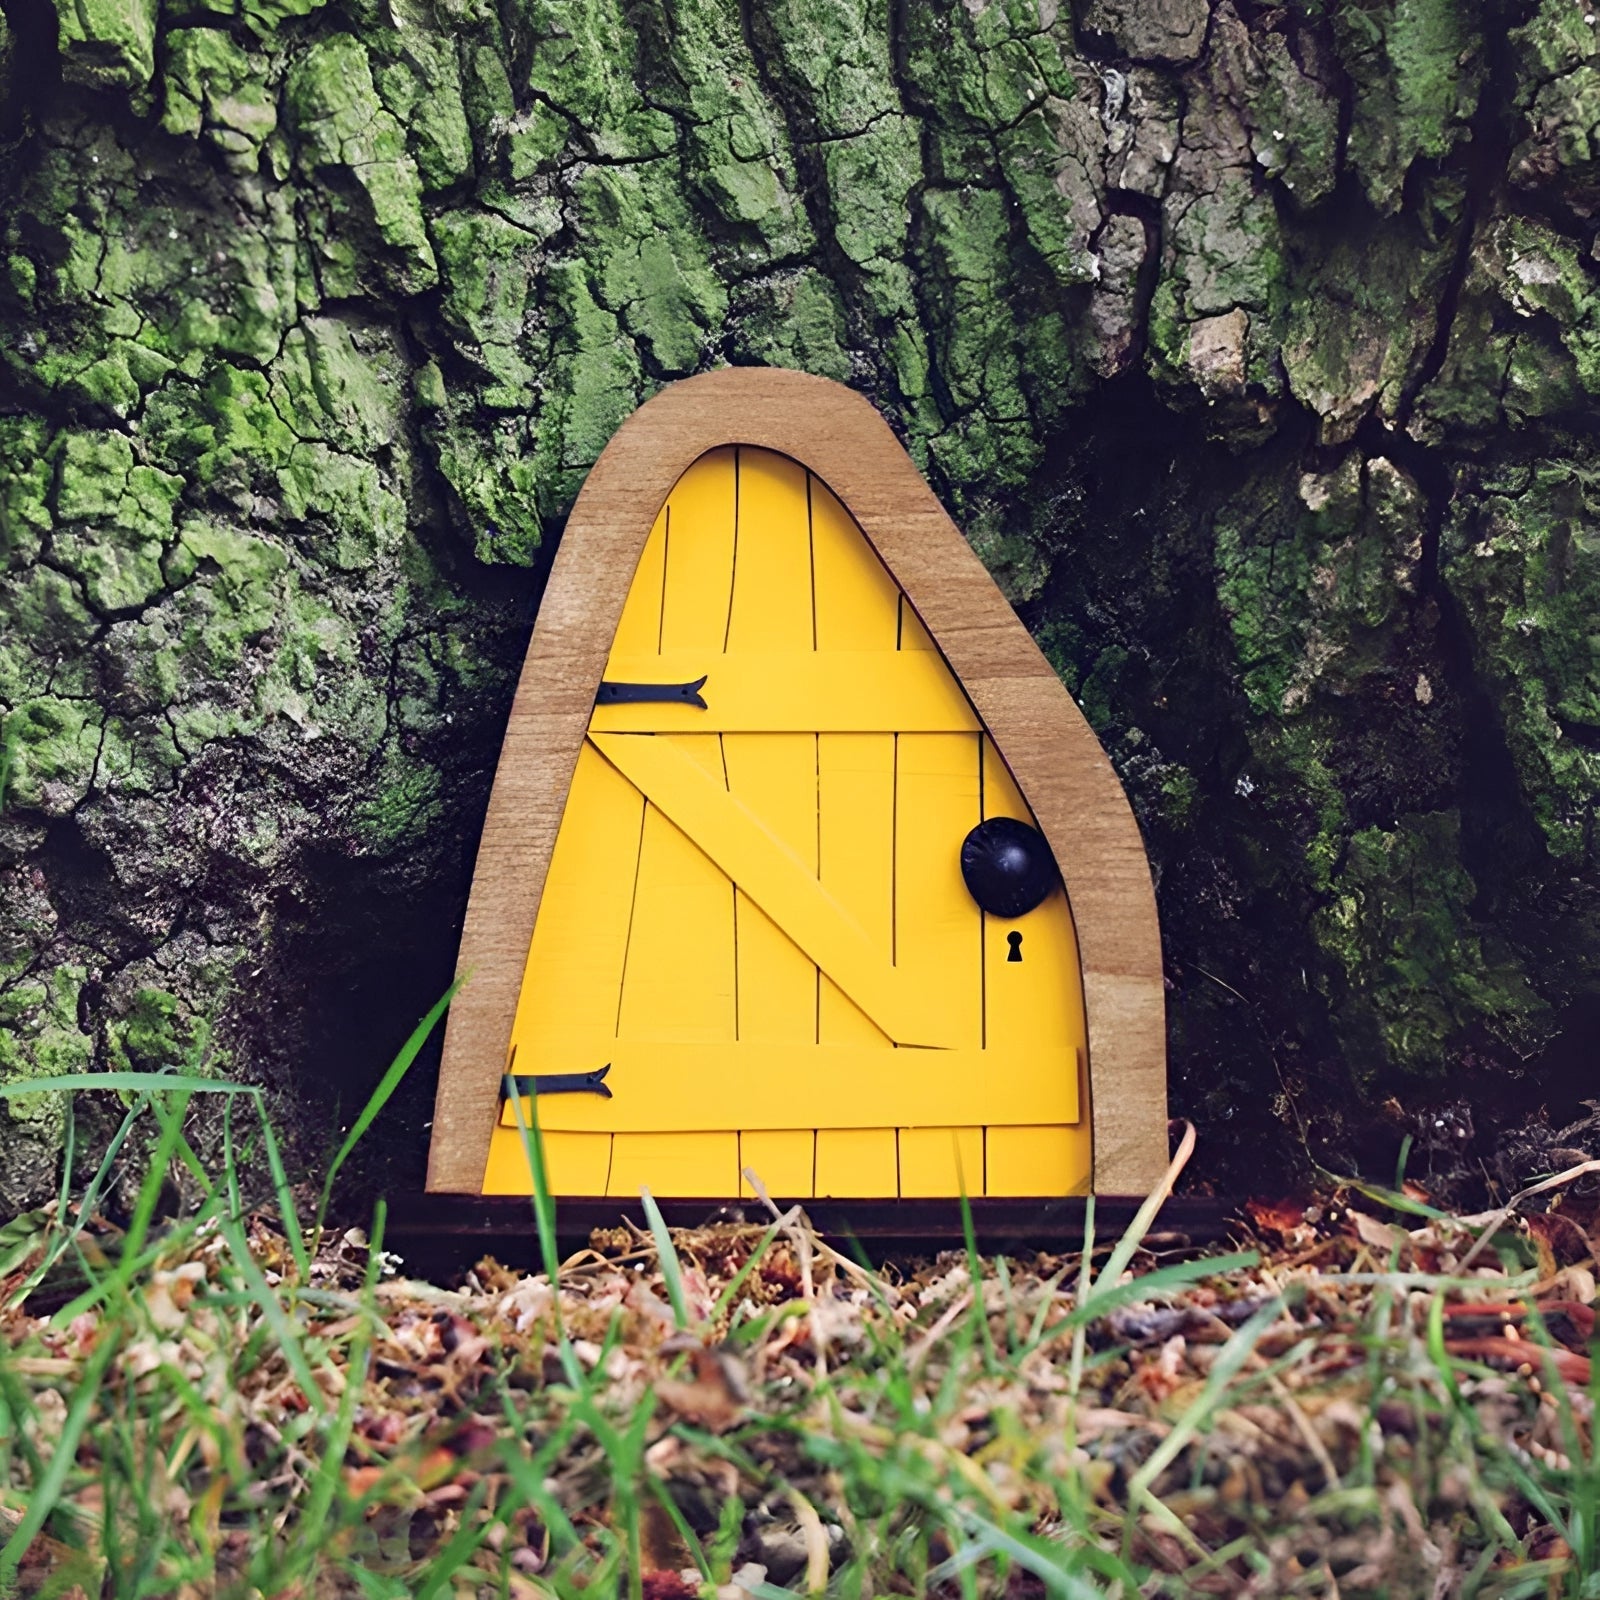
(755, 947)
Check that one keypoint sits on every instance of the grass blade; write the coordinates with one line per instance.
(47, 1490)
(124, 1080)
(380, 1096)
(671, 1270)
(1230, 1358)
(544, 1205)
(980, 1312)
(1131, 1239)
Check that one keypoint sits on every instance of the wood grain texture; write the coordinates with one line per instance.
(1053, 753)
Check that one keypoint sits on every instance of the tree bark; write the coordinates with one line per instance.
(1254, 346)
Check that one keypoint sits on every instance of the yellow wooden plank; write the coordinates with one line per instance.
(857, 602)
(913, 636)
(857, 1162)
(855, 791)
(941, 1161)
(858, 611)
(679, 982)
(757, 691)
(1037, 1000)
(772, 556)
(775, 775)
(911, 1007)
(682, 1165)
(783, 1159)
(639, 631)
(699, 555)
(1033, 1008)
(667, 1084)
(575, 1163)
(573, 975)
(938, 927)
(1038, 1161)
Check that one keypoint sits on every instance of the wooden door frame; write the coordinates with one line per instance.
(1053, 754)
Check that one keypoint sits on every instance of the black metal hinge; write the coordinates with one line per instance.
(623, 694)
(521, 1083)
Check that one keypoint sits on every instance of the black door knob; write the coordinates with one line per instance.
(1007, 866)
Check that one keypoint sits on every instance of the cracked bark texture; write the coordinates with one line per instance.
(1255, 346)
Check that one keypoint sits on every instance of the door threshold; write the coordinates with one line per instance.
(440, 1235)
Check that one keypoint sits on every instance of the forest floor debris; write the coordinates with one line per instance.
(1364, 1398)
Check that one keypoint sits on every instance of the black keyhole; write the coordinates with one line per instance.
(1015, 941)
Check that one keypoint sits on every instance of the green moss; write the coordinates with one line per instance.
(1314, 585)
(108, 44)
(211, 83)
(25, 478)
(580, 62)
(264, 18)
(1061, 640)
(55, 744)
(597, 381)
(1295, 119)
(795, 320)
(1013, 102)
(1096, 689)
(870, 179)
(1180, 795)
(1414, 979)
(1526, 340)
(1426, 42)
(489, 267)
(40, 1038)
(405, 806)
(1557, 75)
(1524, 562)
(654, 269)
(1301, 756)
(344, 496)
(330, 388)
(1226, 260)
(840, 54)
(332, 104)
(977, 348)
(492, 472)
(45, 631)
(234, 425)
(1418, 66)
(114, 519)
(155, 1033)
(1040, 175)
(737, 158)
(1015, 561)
(1358, 332)
(428, 387)
(417, 74)
(1229, 247)
(243, 573)
(1540, 271)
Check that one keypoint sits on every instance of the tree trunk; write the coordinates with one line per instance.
(1254, 346)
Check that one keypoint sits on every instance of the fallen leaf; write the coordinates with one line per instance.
(714, 1397)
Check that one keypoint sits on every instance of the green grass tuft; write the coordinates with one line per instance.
(226, 1403)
